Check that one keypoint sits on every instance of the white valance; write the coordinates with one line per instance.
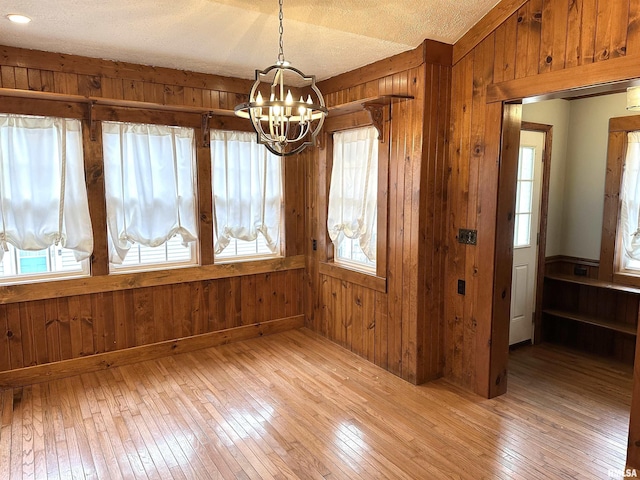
(353, 194)
(43, 196)
(247, 189)
(149, 184)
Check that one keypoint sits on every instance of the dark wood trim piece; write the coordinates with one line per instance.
(94, 178)
(77, 106)
(384, 154)
(593, 282)
(505, 220)
(592, 320)
(614, 74)
(205, 199)
(367, 280)
(53, 371)
(547, 130)
(438, 53)
(492, 20)
(87, 285)
(67, 107)
(366, 104)
(624, 124)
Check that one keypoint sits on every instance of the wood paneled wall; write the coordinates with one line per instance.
(399, 329)
(178, 304)
(540, 44)
(44, 331)
(540, 48)
(74, 75)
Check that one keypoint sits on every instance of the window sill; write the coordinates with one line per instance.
(245, 259)
(108, 283)
(367, 280)
(625, 277)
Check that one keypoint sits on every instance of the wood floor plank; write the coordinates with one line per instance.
(294, 405)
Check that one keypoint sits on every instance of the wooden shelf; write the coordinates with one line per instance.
(590, 320)
(592, 282)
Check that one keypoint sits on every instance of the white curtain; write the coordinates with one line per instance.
(150, 185)
(247, 189)
(353, 194)
(43, 196)
(630, 198)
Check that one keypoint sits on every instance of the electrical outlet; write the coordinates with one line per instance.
(314, 244)
(461, 287)
(580, 270)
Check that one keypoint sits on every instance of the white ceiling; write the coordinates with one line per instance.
(234, 37)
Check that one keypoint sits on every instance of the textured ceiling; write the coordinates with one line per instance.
(234, 37)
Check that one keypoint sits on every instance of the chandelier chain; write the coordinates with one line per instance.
(281, 52)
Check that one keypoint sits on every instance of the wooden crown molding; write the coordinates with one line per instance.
(484, 27)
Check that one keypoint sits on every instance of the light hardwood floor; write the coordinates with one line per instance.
(294, 405)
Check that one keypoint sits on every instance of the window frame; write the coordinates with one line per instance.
(71, 111)
(328, 265)
(115, 269)
(27, 278)
(610, 268)
(224, 260)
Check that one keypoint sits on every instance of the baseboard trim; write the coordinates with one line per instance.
(102, 361)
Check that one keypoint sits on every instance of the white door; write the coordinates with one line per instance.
(525, 238)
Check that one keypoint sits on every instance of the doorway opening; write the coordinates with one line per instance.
(529, 239)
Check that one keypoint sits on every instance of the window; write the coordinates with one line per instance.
(247, 197)
(629, 229)
(150, 191)
(171, 252)
(26, 265)
(353, 198)
(620, 241)
(46, 230)
(524, 197)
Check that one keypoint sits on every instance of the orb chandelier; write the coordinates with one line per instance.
(284, 125)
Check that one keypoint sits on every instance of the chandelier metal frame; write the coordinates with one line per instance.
(284, 125)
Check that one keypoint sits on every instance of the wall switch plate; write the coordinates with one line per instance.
(468, 237)
(461, 287)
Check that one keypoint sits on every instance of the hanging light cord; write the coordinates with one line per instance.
(281, 53)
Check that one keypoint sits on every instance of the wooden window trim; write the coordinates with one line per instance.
(328, 266)
(610, 245)
(358, 277)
